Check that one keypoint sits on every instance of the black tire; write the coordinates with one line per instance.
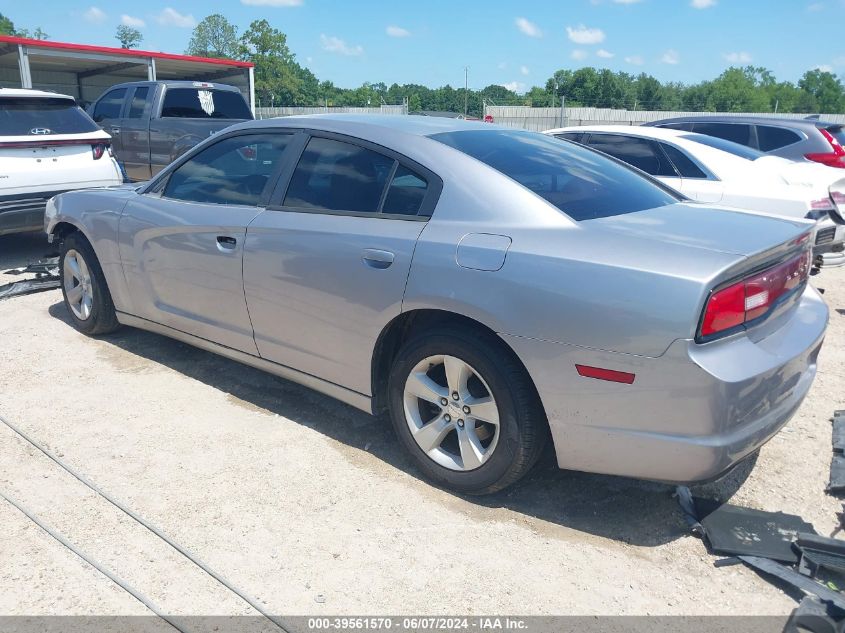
(102, 318)
(523, 429)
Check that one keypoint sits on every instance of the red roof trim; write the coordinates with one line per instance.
(127, 52)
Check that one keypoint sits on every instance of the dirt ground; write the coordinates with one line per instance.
(310, 507)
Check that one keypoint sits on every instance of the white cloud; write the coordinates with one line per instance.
(272, 3)
(702, 4)
(670, 57)
(528, 27)
(636, 60)
(604, 54)
(524, 70)
(825, 68)
(397, 31)
(815, 7)
(578, 54)
(739, 57)
(334, 44)
(171, 17)
(515, 86)
(583, 35)
(129, 20)
(95, 15)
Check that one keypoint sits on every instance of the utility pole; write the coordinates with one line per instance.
(466, 90)
(777, 103)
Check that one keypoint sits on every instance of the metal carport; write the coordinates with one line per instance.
(85, 71)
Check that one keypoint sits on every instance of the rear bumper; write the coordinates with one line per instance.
(23, 212)
(690, 414)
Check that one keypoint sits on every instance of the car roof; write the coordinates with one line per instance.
(358, 123)
(177, 84)
(38, 94)
(757, 120)
(636, 130)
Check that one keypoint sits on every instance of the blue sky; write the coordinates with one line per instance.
(517, 44)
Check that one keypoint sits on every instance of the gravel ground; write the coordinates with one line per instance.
(309, 506)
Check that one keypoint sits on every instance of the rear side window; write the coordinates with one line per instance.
(683, 163)
(736, 132)
(110, 105)
(771, 138)
(583, 184)
(575, 137)
(337, 176)
(138, 103)
(200, 103)
(233, 171)
(406, 192)
(25, 116)
(641, 153)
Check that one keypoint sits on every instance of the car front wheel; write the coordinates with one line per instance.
(466, 411)
(84, 288)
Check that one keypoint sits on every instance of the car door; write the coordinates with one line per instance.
(107, 113)
(641, 153)
(182, 247)
(135, 134)
(325, 265)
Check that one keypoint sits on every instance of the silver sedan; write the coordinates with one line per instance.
(489, 288)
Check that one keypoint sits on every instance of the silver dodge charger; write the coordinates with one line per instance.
(488, 288)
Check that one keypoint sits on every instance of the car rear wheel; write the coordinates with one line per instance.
(465, 410)
(86, 295)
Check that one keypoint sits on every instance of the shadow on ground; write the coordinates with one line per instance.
(21, 249)
(630, 511)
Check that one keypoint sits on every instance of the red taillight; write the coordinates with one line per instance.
(835, 158)
(754, 296)
(98, 149)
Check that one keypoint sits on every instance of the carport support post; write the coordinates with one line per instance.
(23, 66)
(151, 69)
(251, 78)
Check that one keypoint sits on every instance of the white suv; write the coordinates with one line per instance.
(47, 145)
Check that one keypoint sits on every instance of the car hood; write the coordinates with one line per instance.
(703, 226)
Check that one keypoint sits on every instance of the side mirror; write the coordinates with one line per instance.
(837, 197)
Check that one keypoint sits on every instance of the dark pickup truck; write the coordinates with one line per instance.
(154, 122)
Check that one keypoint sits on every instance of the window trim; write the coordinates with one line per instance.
(159, 183)
(130, 97)
(427, 207)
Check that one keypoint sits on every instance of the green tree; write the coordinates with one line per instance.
(214, 36)
(7, 27)
(825, 88)
(128, 37)
(278, 78)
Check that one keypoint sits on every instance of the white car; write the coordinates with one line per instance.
(48, 145)
(712, 170)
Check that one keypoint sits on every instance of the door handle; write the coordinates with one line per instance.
(226, 243)
(376, 258)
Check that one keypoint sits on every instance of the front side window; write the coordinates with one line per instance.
(235, 170)
(204, 103)
(109, 106)
(25, 116)
(639, 152)
(138, 103)
(337, 176)
(580, 182)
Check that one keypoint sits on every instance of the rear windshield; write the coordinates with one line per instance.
(582, 183)
(201, 103)
(748, 153)
(26, 116)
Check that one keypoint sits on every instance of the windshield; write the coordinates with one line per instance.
(730, 147)
(27, 116)
(582, 183)
(204, 103)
